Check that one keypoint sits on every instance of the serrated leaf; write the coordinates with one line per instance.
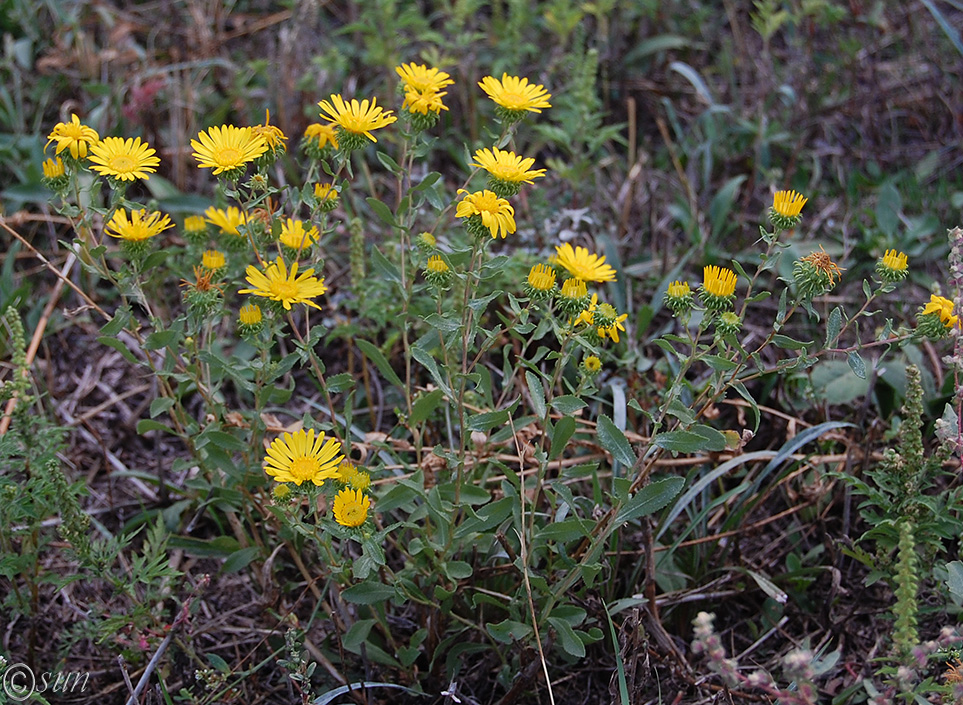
(784, 341)
(719, 363)
(446, 324)
(614, 441)
(487, 420)
(340, 383)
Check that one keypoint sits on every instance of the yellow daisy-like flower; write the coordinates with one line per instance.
(604, 318)
(271, 134)
(300, 457)
(349, 474)
(516, 94)
(591, 365)
(228, 220)
(583, 265)
(788, 203)
(424, 102)
(277, 284)
(718, 281)
(942, 306)
(195, 223)
(53, 168)
(213, 260)
(73, 136)
(125, 160)
(678, 289)
(541, 277)
(421, 78)
(892, 267)
(356, 118)
(785, 213)
(227, 149)
(507, 166)
(437, 272)
(573, 297)
(678, 297)
(140, 226)
(351, 507)
(436, 264)
(250, 314)
(325, 192)
(295, 236)
(485, 210)
(322, 135)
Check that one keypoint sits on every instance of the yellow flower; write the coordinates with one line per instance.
(484, 209)
(139, 227)
(122, 159)
(349, 474)
(786, 209)
(573, 297)
(294, 235)
(591, 365)
(322, 134)
(424, 102)
(892, 266)
(604, 317)
(325, 192)
(678, 297)
(356, 118)
(507, 166)
(195, 223)
(213, 260)
(277, 284)
(516, 94)
(788, 204)
(351, 507)
(227, 148)
(541, 277)
(228, 220)
(53, 169)
(250, 314)
(942, 306)
(300, 457)
(436, 264)
(583, 265)
(271, 134)
(73, 136)
(718, 281)
(574, 289)
(422, 78)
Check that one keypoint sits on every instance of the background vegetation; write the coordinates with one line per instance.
(672, 124)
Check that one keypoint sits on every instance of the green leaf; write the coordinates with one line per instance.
(744, 393)
(615, 442)
(784, 341)
(565, 531)
(834, 382)
(116, 324)
(374, 354)
(388, 163)
(458, 570)
(239, 560)
(567, 638)
(719, 363)
(856, 364)
(508, 631)
(888, 204)
(650, 498)
(560, 436)
(424, 405)
(145, 425)
(357, 635)
(428, 362)
(369, 593)
(426, 183)
(382, 211)
(721, 204)
(954, 580)
(224, 440)
(697, 439)
(833, 326)
(567, 404)
(160, 405)
(537, 391)
(384, 267)
(340, 383)
(119, 347)
(446, 324)
(487, 420)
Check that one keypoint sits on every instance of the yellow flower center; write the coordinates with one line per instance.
(304, 468)
(284, 290)
(487, 202)
(513, 100)
(228, 156)
(122, 164)
(73, 131)
(354, 514)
